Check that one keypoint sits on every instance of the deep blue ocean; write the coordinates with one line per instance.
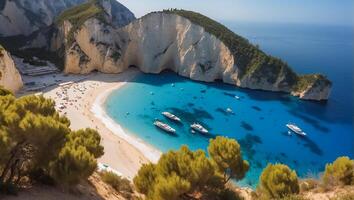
(260, 117)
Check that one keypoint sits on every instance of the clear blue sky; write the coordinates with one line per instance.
(337, 12)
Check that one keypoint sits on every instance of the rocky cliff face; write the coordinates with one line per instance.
(90, 25)
(312, 87)
(155, 43)
(23, 17)
(161, 41)
(94, 48)
(9, 76)
(103, 35)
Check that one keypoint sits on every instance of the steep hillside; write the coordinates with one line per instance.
(23, 17)
(188, 43)
(103, 35)
(51, 42)
(255, 64)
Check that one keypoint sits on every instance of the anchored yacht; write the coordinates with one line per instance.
(171, 116)
(199, 128)
(295, 129)
(164, 127)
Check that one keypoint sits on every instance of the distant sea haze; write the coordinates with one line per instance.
(259, 118)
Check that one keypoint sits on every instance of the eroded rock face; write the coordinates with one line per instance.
(165, 41)
(154, 44)
(161, 41)
(10, 78)
(23, 17)
(95, 48)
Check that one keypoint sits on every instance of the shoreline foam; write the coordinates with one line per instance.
(98, 111)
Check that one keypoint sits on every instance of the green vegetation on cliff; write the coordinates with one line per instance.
(304, 81)
(79, 14)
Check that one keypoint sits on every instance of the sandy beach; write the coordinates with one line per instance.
(81, 97)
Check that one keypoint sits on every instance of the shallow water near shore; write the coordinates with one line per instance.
(259, 118)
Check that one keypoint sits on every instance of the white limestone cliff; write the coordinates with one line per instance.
(153, 44)
(161, 41)
(10, 78)
(93, 49)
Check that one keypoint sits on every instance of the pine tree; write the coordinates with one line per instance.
(226, 154)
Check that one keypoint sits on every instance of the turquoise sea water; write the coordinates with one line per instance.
(260, 117)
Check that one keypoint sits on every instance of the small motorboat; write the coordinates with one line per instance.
(198, 127)
(295, 129)
(229, 110)
(164, 127)
(171, 116)
(237, 97)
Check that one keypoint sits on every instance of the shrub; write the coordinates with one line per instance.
(145, 178)
(226, 154)
(278, 181)
(171, 188)
(89, 138)
(72, 165)
(119, 183)
(3, 91)
(341, 171)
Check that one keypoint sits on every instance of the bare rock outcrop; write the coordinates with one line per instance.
(10, 78)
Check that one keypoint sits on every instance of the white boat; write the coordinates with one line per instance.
(164, 126)
(171, 116)
(199, 128)
(237, 97)
(229, 110)
(296, 129)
